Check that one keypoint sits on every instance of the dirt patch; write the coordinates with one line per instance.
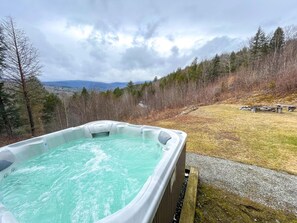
(227, 135)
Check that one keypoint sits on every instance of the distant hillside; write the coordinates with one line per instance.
(90, 85)
(263, 72)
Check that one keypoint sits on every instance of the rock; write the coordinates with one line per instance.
(277, 109)
(291, 108)
(245, 108)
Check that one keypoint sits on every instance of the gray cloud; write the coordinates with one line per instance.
(150, 30)
(140, 57)
(120, 40)
(218, 45)
(175, 50)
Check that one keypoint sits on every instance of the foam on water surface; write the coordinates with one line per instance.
(80, 182)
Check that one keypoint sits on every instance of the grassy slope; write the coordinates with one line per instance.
(264, 139)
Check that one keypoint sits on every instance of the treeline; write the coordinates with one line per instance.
(268, 63)
(260, 65)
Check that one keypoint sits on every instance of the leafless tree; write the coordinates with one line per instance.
(22, 64)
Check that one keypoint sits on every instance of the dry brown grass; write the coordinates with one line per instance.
(263, 97)
(264, 139)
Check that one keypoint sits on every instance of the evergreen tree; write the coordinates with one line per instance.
(117, 92)
(277, 41)
(85, 99)
(180, 76)
(243, 57)
(4, 121)
(130, 87)
(233, 64)
(84, 93)
(37, 94)
(215, 67)
(199, 72)
(193, 70)
(49, 106)
(8, 112)
(259, 45)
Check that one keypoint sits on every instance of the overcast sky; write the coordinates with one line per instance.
(122, 40)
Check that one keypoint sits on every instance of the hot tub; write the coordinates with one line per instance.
(157, 193)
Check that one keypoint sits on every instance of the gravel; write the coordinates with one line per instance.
(272, 188)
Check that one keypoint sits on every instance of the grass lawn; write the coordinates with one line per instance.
(264, 139)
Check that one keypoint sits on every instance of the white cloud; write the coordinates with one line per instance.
(121, 40)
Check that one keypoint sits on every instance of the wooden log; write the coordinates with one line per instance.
(189, 204)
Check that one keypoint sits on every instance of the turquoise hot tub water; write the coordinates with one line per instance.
(81, 181)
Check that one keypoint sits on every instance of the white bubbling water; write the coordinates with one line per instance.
(81, 181)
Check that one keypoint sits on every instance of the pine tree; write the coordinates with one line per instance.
(84, 93)
(233, 64)
(193, 70)
(50, 104)
(9, 113)
(215, 67)
(4, 120)
(243, 57)
(117, 92)
(85, 100)
(130, 87)
(277, 41)
(259, 45)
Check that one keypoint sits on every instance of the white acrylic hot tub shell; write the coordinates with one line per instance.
(144, 206)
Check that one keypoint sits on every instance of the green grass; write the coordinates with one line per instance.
(264, 139)
(216, 205)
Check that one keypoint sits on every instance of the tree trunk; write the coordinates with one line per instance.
(29, 110)
(23, 83)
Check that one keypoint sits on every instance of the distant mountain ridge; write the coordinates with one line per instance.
(90, 85)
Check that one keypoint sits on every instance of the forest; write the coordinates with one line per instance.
(268, 63)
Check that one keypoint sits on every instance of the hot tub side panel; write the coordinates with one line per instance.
(167, 206)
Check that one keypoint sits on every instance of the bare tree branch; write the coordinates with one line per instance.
(22, 63)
